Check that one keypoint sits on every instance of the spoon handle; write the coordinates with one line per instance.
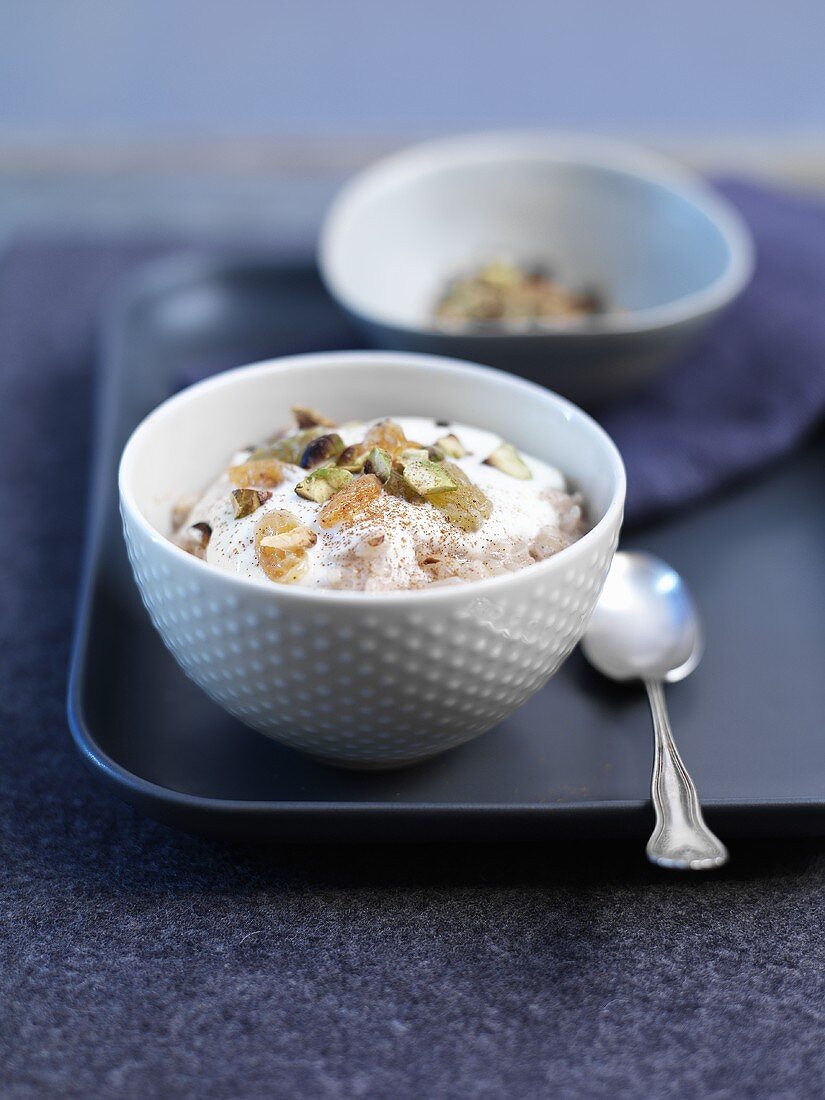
(681, 839)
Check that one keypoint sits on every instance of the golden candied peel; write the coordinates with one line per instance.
(281, 542)
(387, 435)
(352, 503)
(257, 473)
(467, 505)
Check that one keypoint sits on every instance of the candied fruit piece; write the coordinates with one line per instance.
(352, 503)
(306, 417)
(281, 543)
(257, 473)
(466, 506)
(387, 435)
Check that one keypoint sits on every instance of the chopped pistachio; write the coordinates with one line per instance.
(297, 538)
(247, 501)
(379, 463)
(414, 454)
(202, 531)
(198, 535)
(321, 449)
(507, 459)
(397, 487)
(352, 458)
(451, 445)
(289, 448)
(322, 484)
(428, 477)
(305, 417)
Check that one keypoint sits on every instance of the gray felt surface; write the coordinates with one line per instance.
(140, 962)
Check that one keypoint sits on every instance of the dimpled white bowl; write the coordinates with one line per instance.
(365, 680)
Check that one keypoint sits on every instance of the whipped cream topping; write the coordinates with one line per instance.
(399, 544)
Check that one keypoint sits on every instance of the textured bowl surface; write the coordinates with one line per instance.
(365, 679)
(668, 250)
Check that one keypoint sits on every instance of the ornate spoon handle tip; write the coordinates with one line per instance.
(681, 839)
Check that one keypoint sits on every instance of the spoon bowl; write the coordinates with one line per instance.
(645, 625)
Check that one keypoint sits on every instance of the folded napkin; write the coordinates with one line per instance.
(755, 384)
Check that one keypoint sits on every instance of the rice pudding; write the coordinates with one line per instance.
(400, 503)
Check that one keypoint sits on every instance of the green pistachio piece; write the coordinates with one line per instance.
(247, 501)
(322, 484)
(379, 463)
(353, 458)
(427, 477)
(507, 459)
(197, 539)
(289, 448)
(306, 417)
(322, 449)
(451, 445)
(414, 454)
(201, 533)
(397, 487)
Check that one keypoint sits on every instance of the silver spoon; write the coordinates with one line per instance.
(645, 626)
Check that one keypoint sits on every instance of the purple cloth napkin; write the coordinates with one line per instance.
(753, 387)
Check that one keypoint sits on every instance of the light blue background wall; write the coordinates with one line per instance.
(163, 68)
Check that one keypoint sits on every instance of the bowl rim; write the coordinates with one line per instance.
(429, 157)
(429, 363)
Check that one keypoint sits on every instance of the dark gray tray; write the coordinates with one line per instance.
(573, 761)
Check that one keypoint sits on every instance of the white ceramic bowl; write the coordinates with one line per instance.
(667, 248)
(364, 679)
